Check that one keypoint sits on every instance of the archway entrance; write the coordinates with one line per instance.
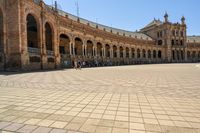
(89, 48)
(107, 50)
(1, 42)
(48, 37)
(115, 51)
(127, 52)
(121, 52)
(159, 54)
(32, 32)
(99, 50)
(78, 47)
(32, 39)
(144, 54)
(64, 49)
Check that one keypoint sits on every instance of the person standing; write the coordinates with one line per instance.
(75, 64)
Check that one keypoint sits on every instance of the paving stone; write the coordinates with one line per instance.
(27, 129)
(13, 127)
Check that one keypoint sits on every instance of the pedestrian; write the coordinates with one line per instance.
(79, 65)
(75, 64)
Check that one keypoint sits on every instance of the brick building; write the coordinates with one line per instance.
(36, 36)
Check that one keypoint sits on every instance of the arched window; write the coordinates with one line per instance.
(64, 46)
(48, 37)
(32, 32)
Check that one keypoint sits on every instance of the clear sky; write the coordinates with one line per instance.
(132, 15)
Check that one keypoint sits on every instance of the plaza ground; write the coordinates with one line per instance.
(130, 99)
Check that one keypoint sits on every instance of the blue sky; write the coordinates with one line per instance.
(134, 14)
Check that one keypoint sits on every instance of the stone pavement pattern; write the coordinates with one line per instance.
(129, 99)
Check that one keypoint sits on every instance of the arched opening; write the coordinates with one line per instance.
(64, 46)
(99, 49)
(149, 54)
(193, 54)
(32, 32)
(138, 53)
(107, 50)
(154, 54)
(188, 54)
(159, 54)
(144, 53)
(127, 52)
(133, 52)
(173, 55)
(78, 46)
(115, 51)
(1, 39)
(178, 55)
(199, 55)
(182, 55)
(89, 48)
(121, 52)
(48, 37)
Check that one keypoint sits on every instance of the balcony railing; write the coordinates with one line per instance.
(34, 50)
(50, 53)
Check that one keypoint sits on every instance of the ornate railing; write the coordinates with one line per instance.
(34, 50)
(50, 53)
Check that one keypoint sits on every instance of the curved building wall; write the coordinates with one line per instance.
(61, 38)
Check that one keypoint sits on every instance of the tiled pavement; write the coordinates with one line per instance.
(130, 99)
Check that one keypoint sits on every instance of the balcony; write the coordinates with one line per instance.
(34, 51)
(50, 53)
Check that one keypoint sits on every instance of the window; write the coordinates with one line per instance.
(172, 42)
(160, 42)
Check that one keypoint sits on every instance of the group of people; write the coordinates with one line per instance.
(78, 64)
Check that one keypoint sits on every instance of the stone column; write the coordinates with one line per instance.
(103, 50)
(111, 51)
(185, 53)
(70, 48)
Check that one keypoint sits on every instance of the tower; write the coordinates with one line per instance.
(166, 17)
(183, 20)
